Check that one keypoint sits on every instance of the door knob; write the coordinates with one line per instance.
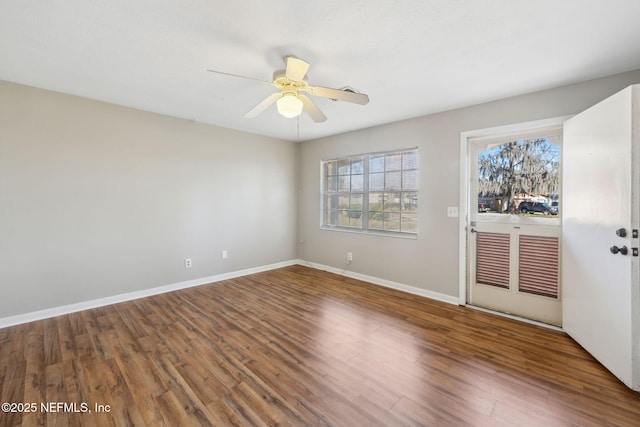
(621, 232)
(622, 250)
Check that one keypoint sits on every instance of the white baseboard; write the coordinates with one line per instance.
(101, 302)
(383, 282)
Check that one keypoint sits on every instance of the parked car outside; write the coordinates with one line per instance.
(537, 207)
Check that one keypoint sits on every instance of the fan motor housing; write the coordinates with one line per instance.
(281, 81)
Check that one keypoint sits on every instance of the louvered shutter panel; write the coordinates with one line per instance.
(492, 259)
(538, 267)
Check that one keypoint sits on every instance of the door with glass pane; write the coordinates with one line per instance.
(514, 232)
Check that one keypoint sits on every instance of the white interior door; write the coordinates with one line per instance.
(601, 297)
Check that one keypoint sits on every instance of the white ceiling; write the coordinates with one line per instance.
(411, 57)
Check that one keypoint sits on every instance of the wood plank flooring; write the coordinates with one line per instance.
(302, 347)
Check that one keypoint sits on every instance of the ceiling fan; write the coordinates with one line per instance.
(290, 99)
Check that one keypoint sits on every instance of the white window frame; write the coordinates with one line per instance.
(405, 188)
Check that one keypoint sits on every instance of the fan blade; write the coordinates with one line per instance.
(237, 75)
(263, 105)
(296, 68)
(339, 94)
(312, 109)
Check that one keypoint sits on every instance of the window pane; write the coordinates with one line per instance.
(409, 202)
(355, 219)
(520, 177)
(410, 180)
(392, 202)
(355, 211)
(393, 162)
(331, 217)
(393, 181)
(357, 166)
(409, 222)
(357, 182)
(376, 164)
(344, 167)
(345, 183)
(376, 181)
(331, 168)
(344, 201)
(356, 202)
(331, 202)
(376, 223)
(343, 218)
(376, 201)
(410, 160)
(392, 221)
(331, 183)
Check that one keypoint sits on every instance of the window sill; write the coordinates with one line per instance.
(409, 236)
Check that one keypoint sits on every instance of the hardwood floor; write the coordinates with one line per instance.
(302, 347)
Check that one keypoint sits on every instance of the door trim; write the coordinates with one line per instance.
(465, 196)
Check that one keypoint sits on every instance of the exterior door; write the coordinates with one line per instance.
(601, 296)
(514, 234)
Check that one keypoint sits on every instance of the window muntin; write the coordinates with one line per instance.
(375, 192)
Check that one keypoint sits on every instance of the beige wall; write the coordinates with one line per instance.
(98, 200)
(430, 262)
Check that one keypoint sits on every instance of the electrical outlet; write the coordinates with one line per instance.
(349, 257)
(187, 263)
(225, 254)
(452, 212)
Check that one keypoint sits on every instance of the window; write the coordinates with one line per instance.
(520, 176)
(375, 192)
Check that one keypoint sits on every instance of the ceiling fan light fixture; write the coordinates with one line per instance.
(289, 105)
(290, 99)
